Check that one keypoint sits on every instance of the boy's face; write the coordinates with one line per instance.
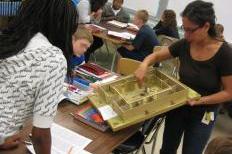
(117, 4)
(136, 21)
(80, 46)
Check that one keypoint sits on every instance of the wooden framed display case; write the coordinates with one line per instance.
(133, 104)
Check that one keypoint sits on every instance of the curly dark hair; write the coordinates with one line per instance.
(200, 12)
(169, 19)
(55, 19)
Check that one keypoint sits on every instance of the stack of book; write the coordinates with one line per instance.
(75, 95)
(89, 115)
(86, 77)
(9, 8)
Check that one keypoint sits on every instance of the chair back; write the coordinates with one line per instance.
(171, 65)
(127, 66)
(166, 40)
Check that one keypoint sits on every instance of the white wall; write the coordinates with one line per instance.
(223, 13)
(150, 5)
(222, 7)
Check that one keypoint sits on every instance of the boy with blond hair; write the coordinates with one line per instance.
(144, 41)
(81, 40)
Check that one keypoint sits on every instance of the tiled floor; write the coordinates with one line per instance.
(223, 124)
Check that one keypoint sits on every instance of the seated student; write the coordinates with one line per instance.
(90, 10)
(34, 53)
(219, 145)
(219, 31)
(109, 13)
(115, 12)
(167, 24)
(144, 41)
(81, 41)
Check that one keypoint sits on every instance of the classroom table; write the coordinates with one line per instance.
(102, 142)
(114, 40)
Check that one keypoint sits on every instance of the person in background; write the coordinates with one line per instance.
(219, 31)
(167, 24)
(115, 11)
(110, 12)
(144, 41)
(90, 11)
(35, 53)
(226, 107)
(206, 67)
(82, 39)
(219, 145)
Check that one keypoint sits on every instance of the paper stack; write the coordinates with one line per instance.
(118, 24)
(122, 35)
(65, 141)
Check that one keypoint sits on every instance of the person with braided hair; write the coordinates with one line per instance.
(35, 53)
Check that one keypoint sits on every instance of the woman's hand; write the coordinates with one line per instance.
(195, 102)
(140, 73)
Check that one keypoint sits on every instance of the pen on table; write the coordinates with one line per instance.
(27, 142)
(71, 114)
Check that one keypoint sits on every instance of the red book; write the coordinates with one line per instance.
(89, 115)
